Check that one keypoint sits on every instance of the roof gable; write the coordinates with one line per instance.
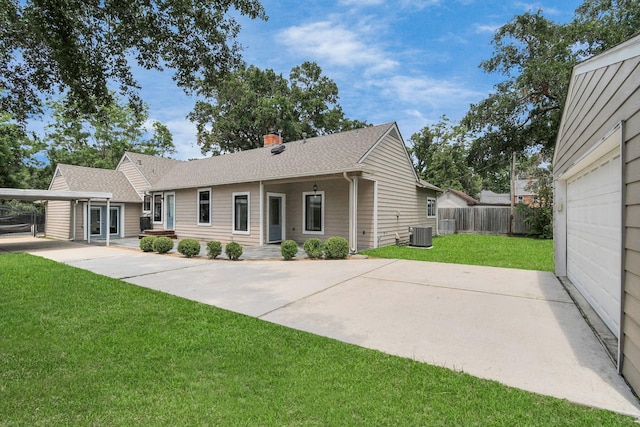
(80, 178)
(151, 168)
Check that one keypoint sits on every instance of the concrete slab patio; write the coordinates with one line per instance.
(514, 326)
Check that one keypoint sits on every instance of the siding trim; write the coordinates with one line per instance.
(623, 243)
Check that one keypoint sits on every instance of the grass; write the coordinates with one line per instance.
(82, 349)
(474, 249)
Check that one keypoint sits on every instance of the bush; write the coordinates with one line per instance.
(314, 248)
(233, 250)
(146, 243)
(214, 248)
(189, 247)
(289, 249)
(162, 245)
(336, 248)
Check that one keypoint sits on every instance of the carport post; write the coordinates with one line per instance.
(87, 226)
(108, 224)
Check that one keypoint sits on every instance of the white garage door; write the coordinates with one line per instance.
(594, 236)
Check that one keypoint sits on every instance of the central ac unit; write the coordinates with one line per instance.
(420, 236)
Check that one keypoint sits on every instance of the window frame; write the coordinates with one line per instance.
(146, 203)
(199, 204)
(304, 212)
(234, 230)
(161, 210)
(432, 202)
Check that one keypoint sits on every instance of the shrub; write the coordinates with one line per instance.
(162, 245)
(289, 249)
(233, 250)
(214, 248)
(336, 248)
(146, 243)
(189, 247)
(314, 248)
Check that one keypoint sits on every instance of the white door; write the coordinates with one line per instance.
(594, 236)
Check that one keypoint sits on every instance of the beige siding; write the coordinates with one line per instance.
(132, 213)
(631, 320)
(400, 203)
(365, 214)
(134, 176)
(221, 222)
(58, 213)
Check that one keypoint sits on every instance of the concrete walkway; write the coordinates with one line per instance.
(514, 326)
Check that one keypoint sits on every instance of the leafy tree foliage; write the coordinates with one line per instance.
(440, 157)
(16, 156)
(252, 102)
(78, 47)
(100, 139)
(537, 56)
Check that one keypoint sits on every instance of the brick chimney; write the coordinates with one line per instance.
(272, 139)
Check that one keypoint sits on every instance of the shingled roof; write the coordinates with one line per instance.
(152, 168)
(80, 178)
(335, 153)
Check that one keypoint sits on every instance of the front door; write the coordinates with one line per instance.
(101, 223)
(170, 200)
(275, 206)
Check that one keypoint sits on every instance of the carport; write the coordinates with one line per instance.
(69, 196)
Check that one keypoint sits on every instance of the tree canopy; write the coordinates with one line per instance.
(79, 48)
(16, 155)
(536, 56)
(251, 102)
(100, 139)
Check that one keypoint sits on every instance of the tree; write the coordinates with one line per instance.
(251, 102)
(440, 157)
(100, 139)
(79, 47)
(16, 155)
(536, 55)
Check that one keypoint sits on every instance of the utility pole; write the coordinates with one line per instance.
(513, 190)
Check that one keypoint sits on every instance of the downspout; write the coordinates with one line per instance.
(75, 209)
(261, 227)
(352, 216)
(108, 221)
(87, 224)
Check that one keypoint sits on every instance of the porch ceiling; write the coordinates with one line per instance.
(20, 194)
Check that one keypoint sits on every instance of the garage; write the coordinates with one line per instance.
(594, 236)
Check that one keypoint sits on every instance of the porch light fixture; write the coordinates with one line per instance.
(315, 188)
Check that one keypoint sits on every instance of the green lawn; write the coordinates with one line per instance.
(81, 349)
(474, 249)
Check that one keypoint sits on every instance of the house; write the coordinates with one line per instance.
(523, 192)
(455, 199)
(490, 198)
(597, 195)
(358, 184)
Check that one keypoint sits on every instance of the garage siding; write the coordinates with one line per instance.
(58, 213)
(604, 92)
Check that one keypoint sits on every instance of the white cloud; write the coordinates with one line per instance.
(426, 91)
(330, 42)
(485, 28)
(534, 7)
(184, 137)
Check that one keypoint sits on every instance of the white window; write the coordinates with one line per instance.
(204, 206)
(313, 212)
(431, 207)
(146, 204)
(157, 208)
(241, 209)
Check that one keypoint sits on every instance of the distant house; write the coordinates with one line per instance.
(489, 198)
(523, 194)
(455, 199)
(359, 184)
(597, 195)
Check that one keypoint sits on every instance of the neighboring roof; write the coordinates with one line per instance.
(488, 197)
(335, 153)
(424, 184)
(80, 178)
(151, 167)
(20, 194)
(464, 196)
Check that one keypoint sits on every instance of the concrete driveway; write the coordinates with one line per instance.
(513, 326)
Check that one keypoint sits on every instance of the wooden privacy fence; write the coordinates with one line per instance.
(481, 219)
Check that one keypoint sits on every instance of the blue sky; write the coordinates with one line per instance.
(409, 61)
